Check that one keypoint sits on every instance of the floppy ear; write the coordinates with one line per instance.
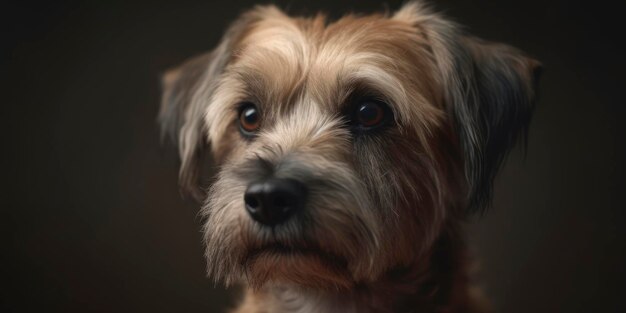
(491, 100)
(489, 92)
(187, 92)
(181, 117)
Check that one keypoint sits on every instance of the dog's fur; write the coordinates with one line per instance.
(381, 230)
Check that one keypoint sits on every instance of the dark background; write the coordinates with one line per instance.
(92, 220)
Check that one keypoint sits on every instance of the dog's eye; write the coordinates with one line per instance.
(371, 114)
(249, 118)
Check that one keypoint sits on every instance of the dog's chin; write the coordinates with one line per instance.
(304, 267)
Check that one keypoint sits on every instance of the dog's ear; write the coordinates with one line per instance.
(489, 90)
(187, 92)
(181, 117)
(491, 99)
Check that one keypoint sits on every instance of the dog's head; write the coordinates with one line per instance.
(343, 148)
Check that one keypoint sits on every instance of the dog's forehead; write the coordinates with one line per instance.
(282, 63)
(285, 58)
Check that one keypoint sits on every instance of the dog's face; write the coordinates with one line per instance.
(343, 149)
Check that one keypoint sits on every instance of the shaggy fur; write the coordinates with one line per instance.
(381, 230)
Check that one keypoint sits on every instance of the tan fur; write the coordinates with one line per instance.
(382, 230)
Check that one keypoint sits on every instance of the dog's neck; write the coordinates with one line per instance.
(439, 285)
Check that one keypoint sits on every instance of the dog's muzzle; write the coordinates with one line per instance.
(274, 200)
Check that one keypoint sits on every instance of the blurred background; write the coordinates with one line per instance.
(91, 216)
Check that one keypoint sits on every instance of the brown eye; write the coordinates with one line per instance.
(371, 114)
(249, 118)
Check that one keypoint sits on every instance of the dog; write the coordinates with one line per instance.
(349, 154)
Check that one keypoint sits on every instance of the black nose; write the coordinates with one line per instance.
(274, 200)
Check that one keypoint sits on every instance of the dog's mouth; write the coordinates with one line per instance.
(300, 265)
(278, 251)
